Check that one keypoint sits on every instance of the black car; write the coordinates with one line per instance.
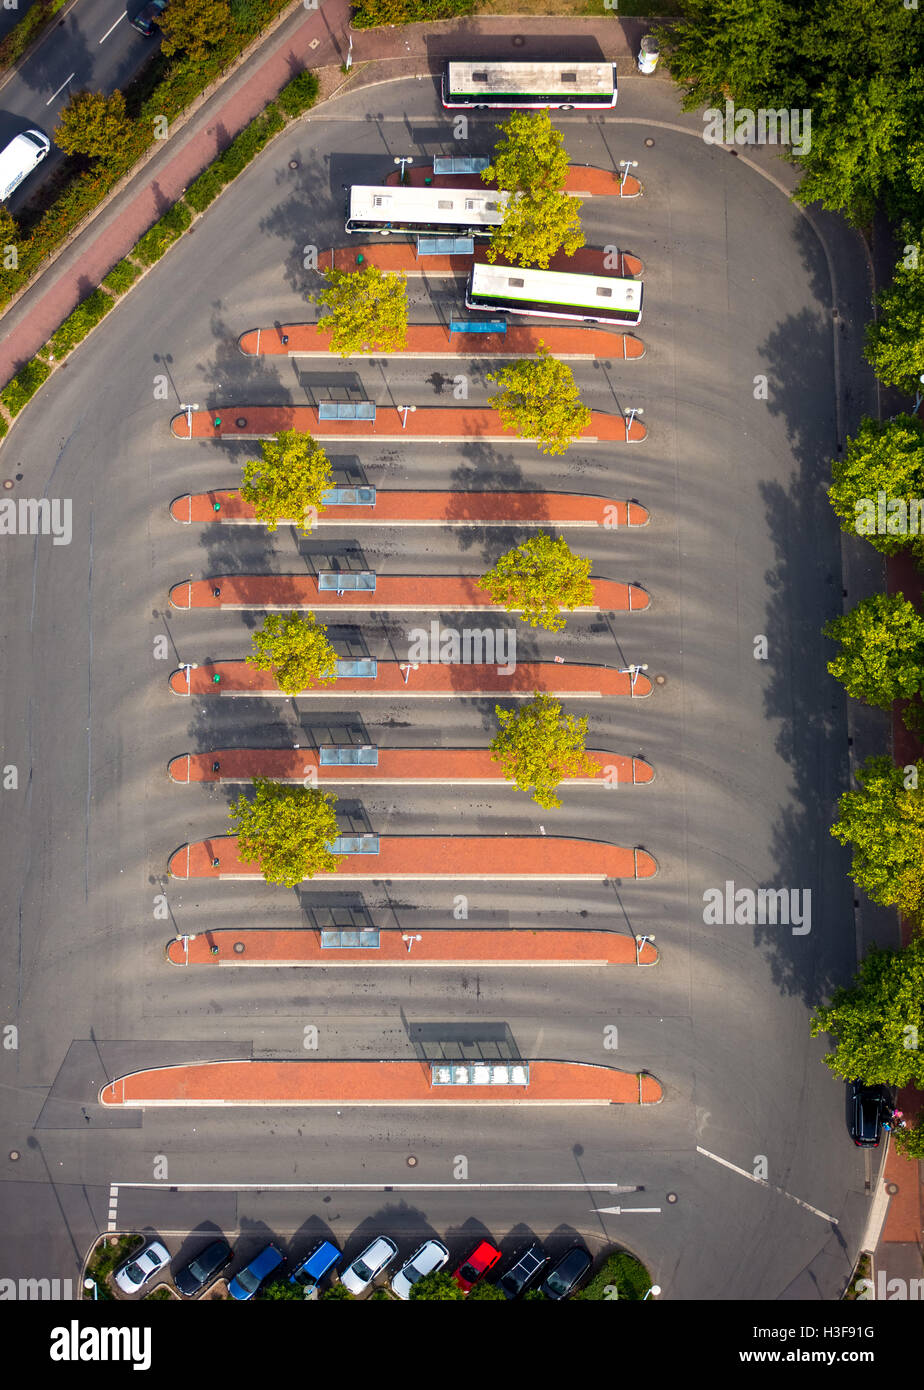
(204, 1267)
(567, 1274)
(522, 1274)
(867, 1107)
(145, 21)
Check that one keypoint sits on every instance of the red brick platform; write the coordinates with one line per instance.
(415, 766)
(581, 181)
(420, 857)
(431, 681)
(429, 593)
(428, 424)
(371, 1083)
(545, 947)
(393, 256)
(435, 340)
(430, 509)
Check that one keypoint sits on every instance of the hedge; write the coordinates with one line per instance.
(78, 324)
(298, 95)
(3, 427)
(36, 18)
(163, 234)
(368, 14)
(121, 277)
(622, 1271)
(24, 385)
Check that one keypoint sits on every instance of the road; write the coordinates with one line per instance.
(750, 755)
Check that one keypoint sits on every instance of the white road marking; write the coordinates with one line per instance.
(113, 26)
(622, 1211)
(379, 1186)
(113, 1205)
(60, 89)
(761, 1182)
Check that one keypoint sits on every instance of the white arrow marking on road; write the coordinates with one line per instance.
(110, 29)
(622, 1211)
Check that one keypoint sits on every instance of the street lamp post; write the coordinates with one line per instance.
(919, 396)
(626, 165)
(636, 410)
(633, 671)
(403, 159)
(407, 667)
(655, 1289)
(189, 410)
(639, 943)
(186, 940)
(407, 409)
(91, 1284)
(188, 666)
(410, 939)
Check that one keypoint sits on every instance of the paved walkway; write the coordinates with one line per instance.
(395, 593)
(435, 340)
(582, 181)
(411, 766)
(401, 256)
(372, 1083)
(450, 681)
(462, 947)
(225, 505)
(426, 424)
(419, 857)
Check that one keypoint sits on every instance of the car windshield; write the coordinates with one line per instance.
(468, 1272)
(134, 1273)
(248, 1280)
(558, 1282)
(412, 1274)
(362, 1271)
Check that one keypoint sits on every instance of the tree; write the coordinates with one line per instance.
(534, 1296)
(882, 650)
(287, 830)
(483, 1292)
(539, 218)
(9, 229)
(538, 747)
(296, 648)
(336, 1291)
(367, 310)
(877, 1022)
(281, 1291)
(288, 482)
(909, 1143)
(94, 124)
(877, 481)
(438, 1287)
(538, 398)
(895, 342)
(883, 821)
(539, 577)
(193, 26)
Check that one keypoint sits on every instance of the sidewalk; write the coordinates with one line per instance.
(407, 766)
(420, 857)
(375, 1083)
(583, 344)
(426, 424)
(425, 593)
(227, 507)
(401, 256)
(451, 681)
(461, 947)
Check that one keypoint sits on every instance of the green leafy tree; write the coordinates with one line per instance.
(439, 1287)
(877, 1021)
(336, 1291)
(910, 1142)
(534, 1296)
(531, 165)
(483, 1292)
(367, 310)
(288, 482)
(379, 1296)
(9, 229)
(540, 577)
(895, 342)
(296, 648)
(281, 1291)
(883, 822)
(287, 830)
(94, 124)
(882, 650)
(538, 747)
(879, 477)
(192, 26)
(538, 398)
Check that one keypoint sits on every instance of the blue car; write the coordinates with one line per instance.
(311, 1271)
(246, 1283)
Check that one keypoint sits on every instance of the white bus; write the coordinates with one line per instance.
(554, 294)
(445, 211)
(560, 86)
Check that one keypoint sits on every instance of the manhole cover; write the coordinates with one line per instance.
(19, 477)
(239, 947)
(293, 163)
(14, 1155)
(241, 421)
(411, 1161)
(649, 142)
(891, 1188)
(518, 41)
(660, 680)
(672, 1197)
(7, 483)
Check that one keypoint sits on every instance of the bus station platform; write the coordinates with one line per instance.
(401, 257)
(581, 181)
(226, 506)
(566, 343)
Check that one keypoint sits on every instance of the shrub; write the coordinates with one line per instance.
(205, 189)
(4, 427)
(24, 385)
(78, 324)
(299, 95)
(163, 234)
(121, 277)
(369, 13)
(621, 1271)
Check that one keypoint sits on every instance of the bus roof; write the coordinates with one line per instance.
(430, 205)
(546, 79)
(556, 287)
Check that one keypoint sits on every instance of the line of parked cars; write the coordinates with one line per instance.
(560, 1281)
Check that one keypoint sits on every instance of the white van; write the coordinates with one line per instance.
(19, 158)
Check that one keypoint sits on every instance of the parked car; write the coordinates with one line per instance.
(372, 1261)
(567, 1274)
(484, 1257)
(203, 1268)
(311, 1271)
(141, 1267)
(145, 21)
(19, 157)
(430, 1257)
(867, 1107)
(521, 1275)
(246, 1282)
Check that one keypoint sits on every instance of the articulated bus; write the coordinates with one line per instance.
(447, 211)
(560, 86)
(554, 294)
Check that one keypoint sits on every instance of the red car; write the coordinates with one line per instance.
(482, 1258)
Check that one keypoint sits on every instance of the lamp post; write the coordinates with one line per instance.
(655, 1289)
(349, 58)
(410, 939)
(403, 159)
(189, 410)
(636, 410)
(407, 409)
(186, 940)
(188, 666)
(919, 396)
(407, 667)
(626, 165)
(91, 1284)
(633, 671)
(639, 943)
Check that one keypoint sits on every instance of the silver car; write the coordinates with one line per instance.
(431, 1256)
(372, 1261)
(133, 1275)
